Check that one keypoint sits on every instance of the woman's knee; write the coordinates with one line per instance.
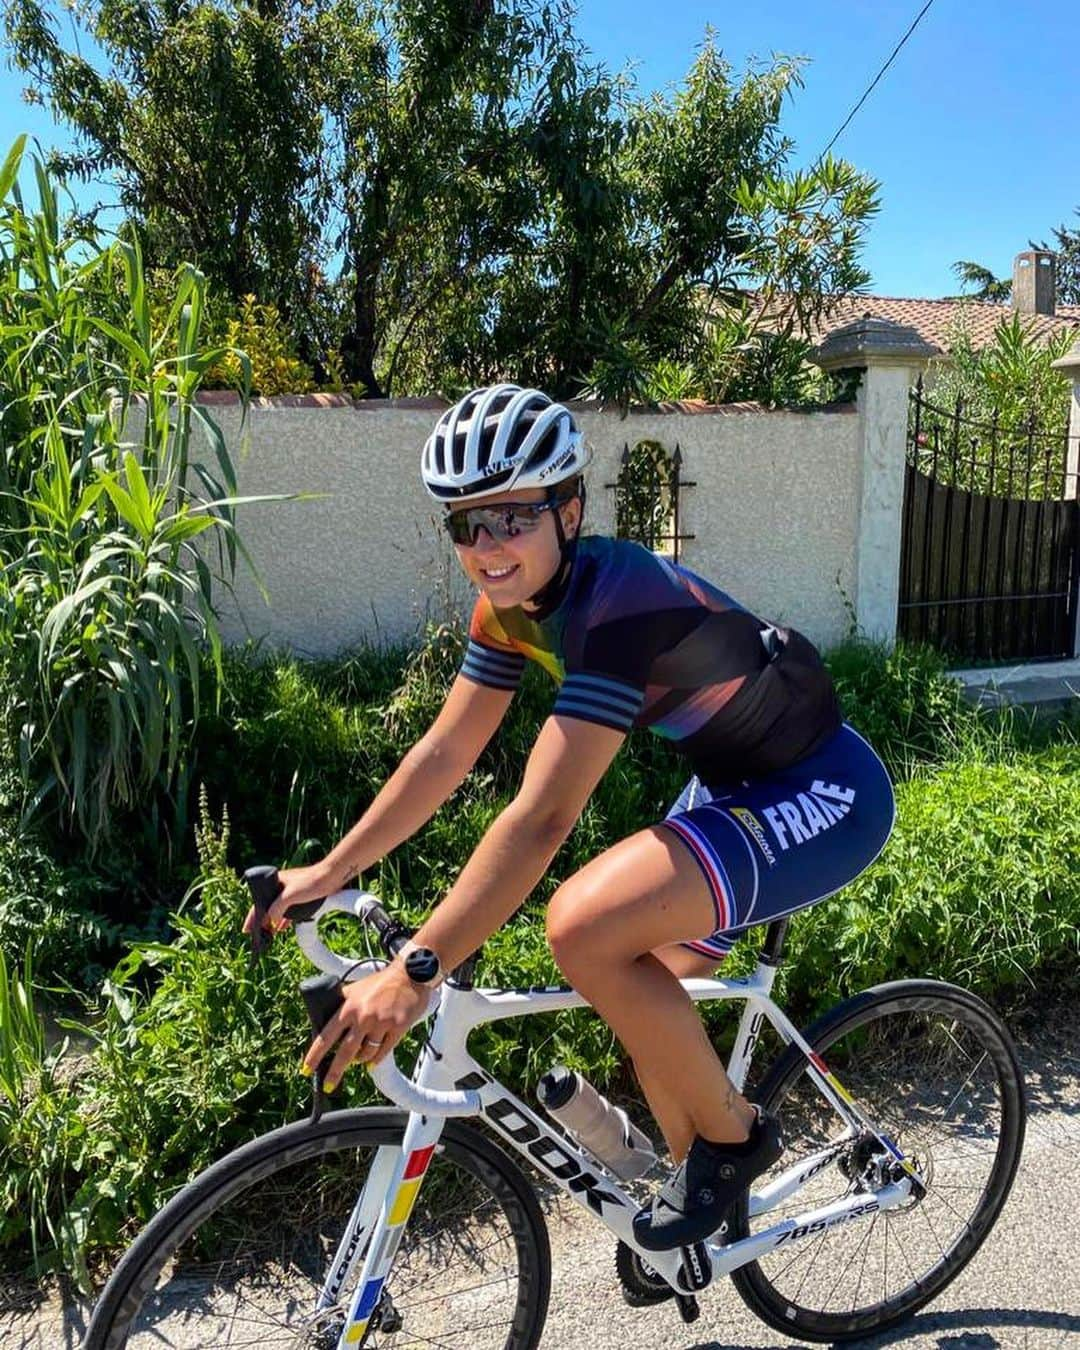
(572, 930)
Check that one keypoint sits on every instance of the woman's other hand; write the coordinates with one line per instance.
(297, 885)
(376, 1013)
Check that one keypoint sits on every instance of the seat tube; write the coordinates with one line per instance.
(750, 1027)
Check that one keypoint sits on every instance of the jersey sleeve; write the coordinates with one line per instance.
(597, 697)
(491, 658)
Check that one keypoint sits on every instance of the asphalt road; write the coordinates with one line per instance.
(1021, 1292)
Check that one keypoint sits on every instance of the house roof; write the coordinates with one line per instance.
(936, 320)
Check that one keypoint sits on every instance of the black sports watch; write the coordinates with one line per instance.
(421, 964)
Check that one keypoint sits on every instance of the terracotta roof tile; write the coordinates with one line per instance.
(936, 320)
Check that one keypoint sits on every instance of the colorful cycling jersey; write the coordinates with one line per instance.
(640, 641)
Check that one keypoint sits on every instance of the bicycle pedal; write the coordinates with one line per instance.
(688, 1307)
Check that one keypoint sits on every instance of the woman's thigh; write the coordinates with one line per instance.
(643, 894)
(708, 873)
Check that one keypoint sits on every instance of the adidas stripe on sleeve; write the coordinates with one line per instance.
(485, 665)
(599, 698)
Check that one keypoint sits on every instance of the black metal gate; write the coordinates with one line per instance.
(647, 497)
(991, 538)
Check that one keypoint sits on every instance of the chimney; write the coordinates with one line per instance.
(1033, 282)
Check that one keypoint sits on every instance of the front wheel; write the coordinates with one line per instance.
(934, 1069)
(239, 1256)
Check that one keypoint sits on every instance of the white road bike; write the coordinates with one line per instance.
(903, 1114)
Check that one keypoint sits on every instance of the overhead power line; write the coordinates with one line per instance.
(877, 77)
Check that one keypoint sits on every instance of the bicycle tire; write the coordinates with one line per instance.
(313, 1167)
(941, 1022)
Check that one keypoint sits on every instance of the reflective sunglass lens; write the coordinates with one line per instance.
(501, 522)
(458, 527)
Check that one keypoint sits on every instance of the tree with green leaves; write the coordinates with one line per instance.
(200, 120)
(981, 284)
(660, 213)
(1066, 246)
(1010, 382)
(448, 192)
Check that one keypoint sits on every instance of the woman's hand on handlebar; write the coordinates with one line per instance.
(297, 885)
(375, 1014)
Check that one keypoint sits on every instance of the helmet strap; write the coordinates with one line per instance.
(550, 596)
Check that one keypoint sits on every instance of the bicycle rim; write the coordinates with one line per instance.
(238, 1257)
(936, 1071)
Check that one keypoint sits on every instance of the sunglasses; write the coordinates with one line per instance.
(501, 522)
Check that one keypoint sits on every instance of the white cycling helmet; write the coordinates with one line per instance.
(499, 438)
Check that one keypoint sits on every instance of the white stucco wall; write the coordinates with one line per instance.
(775, 515)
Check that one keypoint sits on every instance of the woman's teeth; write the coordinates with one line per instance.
(497, 573)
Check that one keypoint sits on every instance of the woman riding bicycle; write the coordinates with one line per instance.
(786, 803)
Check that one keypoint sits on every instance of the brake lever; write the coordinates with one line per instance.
(322, 996)
(265, 887)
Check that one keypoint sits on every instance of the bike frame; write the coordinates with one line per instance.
(446, 1081)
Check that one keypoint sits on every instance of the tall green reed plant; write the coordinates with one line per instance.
(35, 1121)
(105, 596)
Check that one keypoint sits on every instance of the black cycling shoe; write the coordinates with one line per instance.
(694, 1201)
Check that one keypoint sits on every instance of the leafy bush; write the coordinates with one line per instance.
(978, 884)
(904, 702)
(194, 1053)
(104, 598)
(260, 349)
(1010, 382)
(35, 1112)
(733, 357)
(53, 909)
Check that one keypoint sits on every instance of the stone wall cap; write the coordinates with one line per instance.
(687, 407)
(874, 342)
(1070, 361)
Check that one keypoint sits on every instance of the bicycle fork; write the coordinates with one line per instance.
(376, 1224)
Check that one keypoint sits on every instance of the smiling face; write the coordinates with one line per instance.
(511, 570)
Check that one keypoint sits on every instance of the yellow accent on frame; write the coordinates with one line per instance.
(403, 1201)
(356, 1332)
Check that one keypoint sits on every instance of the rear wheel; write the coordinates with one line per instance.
(239, 1256)
(936, 1071)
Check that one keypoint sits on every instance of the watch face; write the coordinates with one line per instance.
(422, 965)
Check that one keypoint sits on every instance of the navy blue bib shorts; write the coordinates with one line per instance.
(774, 845)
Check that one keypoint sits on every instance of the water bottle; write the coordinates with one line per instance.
(605, 1130)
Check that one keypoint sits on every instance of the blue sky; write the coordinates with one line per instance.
(968, 131)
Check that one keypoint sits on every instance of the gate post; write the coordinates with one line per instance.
(891, 356)
(1070, 364)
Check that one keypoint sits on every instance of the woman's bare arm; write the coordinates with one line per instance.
(569, 759)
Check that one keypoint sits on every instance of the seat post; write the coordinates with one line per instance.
(772, 951)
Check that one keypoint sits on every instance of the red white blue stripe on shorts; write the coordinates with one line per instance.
(719, 882)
